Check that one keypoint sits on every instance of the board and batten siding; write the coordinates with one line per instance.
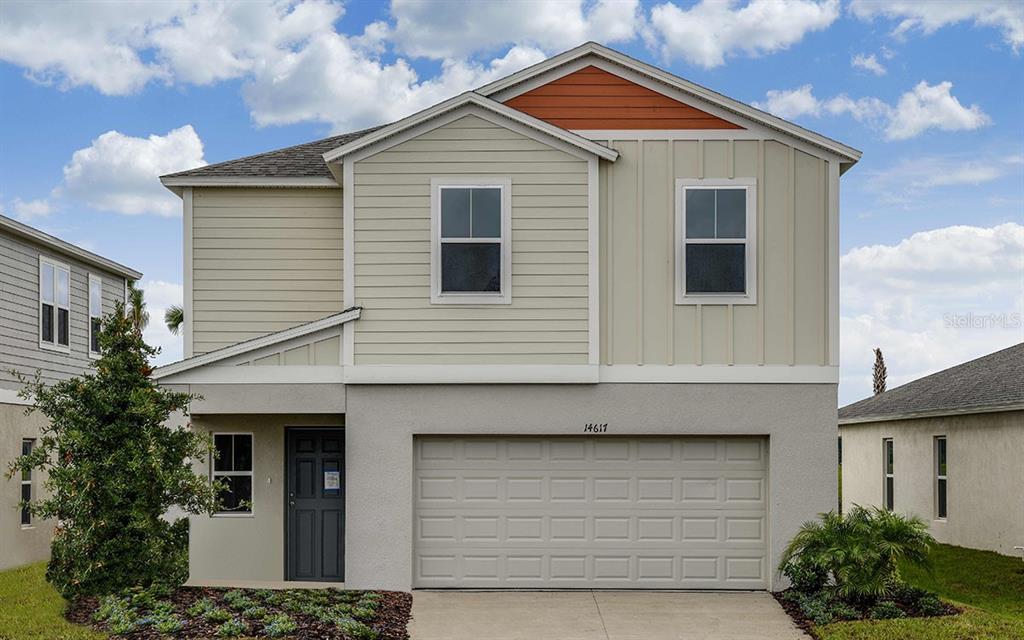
(263, 260)
(640, 322)
(547, 320)
(19, 313)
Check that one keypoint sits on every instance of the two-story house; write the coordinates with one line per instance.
(53, 296)
(577, 328)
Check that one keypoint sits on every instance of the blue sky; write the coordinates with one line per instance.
(97, 99)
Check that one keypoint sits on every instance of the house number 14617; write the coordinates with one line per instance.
(594, 427)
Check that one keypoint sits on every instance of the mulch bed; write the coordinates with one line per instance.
(390, 620)
(808, 627)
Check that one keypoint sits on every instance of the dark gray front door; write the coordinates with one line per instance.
(316, 504)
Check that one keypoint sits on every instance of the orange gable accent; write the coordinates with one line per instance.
(593, 98)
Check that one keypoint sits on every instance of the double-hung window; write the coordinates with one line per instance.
(26, 485)
(716, 252)
(54, 304)
(95, 313)
(471, 251)
(888, 475)
(940, 477)
(232, 464)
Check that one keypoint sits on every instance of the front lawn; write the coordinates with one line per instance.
(991, 587)
(32, 609)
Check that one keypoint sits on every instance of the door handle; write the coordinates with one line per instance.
(291, 503)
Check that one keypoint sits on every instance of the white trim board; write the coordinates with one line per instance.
(257, 343)
(932, 413)
(274, 374)
(10, 396)
(56, 245)
(187, 294)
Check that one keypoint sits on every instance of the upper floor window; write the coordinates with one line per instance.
(232, 463)
(716, 253)
(95, 313)
(888, 475)
(940, 477)
(54, 304)
(471, 253)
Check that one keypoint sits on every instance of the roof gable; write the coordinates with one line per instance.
(593, 98)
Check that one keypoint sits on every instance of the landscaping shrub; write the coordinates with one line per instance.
(113, 470)
(858, 552)
(356, 630)
(805, 577)
(278, 625)
(232, 628)
(887, 610)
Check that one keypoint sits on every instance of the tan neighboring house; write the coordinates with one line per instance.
(52, 296)
(949, 448)
(577, 328)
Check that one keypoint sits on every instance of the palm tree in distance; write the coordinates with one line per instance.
(174, 317)
(137, 307)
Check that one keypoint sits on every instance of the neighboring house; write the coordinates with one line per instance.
(576, 328)
(948, 448)
(52, 295)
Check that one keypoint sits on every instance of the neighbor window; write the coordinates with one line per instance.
(940, 477)
(54, 304)
(716, 236)
(471, 251)
(26, 485)
(95, 313)
(232, 464)
(888, 499)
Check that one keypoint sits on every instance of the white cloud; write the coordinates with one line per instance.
(922, 108)
(27, 210)
(930, 301)
(928, 17)
(159, 296)
(119, 173)
(906, 182)
(710, 31)
(312, 84)
(451, 29)
(868, 63)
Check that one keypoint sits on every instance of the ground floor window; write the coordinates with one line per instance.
(940, 477)
(26, 484)
(232, 466)
(889, 477)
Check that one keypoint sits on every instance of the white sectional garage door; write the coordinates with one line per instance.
(599, 512)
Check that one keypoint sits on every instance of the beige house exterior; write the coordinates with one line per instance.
(51, 293)
(957, 441)
(462, 350)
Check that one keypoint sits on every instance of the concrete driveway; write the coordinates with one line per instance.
(598, 615)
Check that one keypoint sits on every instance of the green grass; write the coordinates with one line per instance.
(990, 586)
(32, 609)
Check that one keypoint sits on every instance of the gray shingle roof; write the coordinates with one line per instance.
(301, 161)
(995, 380)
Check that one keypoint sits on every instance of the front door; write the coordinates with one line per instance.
(316, 505)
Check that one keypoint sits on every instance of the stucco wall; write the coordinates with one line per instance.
(985, 460)
(19, 545)
(382, 420)
(248, 547)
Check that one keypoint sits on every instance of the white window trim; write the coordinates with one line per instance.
(940, 476)
(750, 241)
(886, 474)
(53, 346)
(97, 279)
(505, 295)
(251, 473)
(31, 521)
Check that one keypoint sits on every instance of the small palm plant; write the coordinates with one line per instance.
(857, 554)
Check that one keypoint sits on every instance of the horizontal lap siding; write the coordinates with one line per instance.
(593, 98)
(547, 320)
(263, 260)
(19, 313)
(641, 322)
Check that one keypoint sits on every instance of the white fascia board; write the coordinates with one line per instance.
(466, 100)
(935, 413)
(254, 374)
(66, 248)
(257, 343)
(509, 86)
(249, 181)
(720, 374)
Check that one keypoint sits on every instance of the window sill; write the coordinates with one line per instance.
(470, 299)
(715, 299)
(28, 527)
(55, 347)
(95, 356)
(232, 515)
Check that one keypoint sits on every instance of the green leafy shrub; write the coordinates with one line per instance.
(114, 469)
(356, 630)
(860, 550)
(231, 629)
(238, 600)
(804, 576)
(255, 613)
(109, 606)
(200, 608)
(363, 613)
(167, 624)
(217, 615)
(887, 610)
(278, 625)
(930, 605)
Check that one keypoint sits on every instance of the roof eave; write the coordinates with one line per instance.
(23, 230)
(933, 413)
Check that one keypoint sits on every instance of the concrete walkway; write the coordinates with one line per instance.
(598, 615)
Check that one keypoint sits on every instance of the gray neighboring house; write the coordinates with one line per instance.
(577, 328)
(949, 448)
(52, 295)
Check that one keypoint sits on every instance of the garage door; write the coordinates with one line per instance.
(595, 512)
